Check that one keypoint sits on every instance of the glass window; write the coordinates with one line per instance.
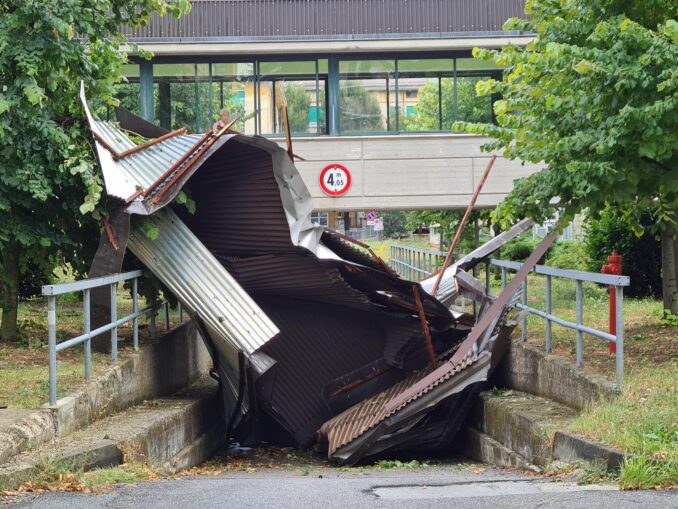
(129, 91)
(320, 218)
(182, 98)
(299, 86)
(425, 94)
(367, 101)
(470, 107)
(233, 89)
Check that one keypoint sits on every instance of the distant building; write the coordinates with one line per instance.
(347, 67)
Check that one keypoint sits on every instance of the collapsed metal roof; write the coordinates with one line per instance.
(313, 340)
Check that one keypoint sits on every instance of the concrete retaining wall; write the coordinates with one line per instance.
(161, 368)
(529, 369)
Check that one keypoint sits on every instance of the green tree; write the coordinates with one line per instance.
(298, 104)
(360, 110)
(469, 108)
(49, 182)
(594, 98)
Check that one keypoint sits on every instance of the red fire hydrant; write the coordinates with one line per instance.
(613, 267)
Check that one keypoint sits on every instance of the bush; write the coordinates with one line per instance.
(569, 254)
(520, 248)
(32, 281)
(642, 255)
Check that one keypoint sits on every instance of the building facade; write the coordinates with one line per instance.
(390, 71)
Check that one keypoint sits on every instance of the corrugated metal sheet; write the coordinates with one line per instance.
(329, 18)
(201, 283)
(357, 420)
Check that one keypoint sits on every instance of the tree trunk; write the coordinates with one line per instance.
(9, 293)
(670, 269)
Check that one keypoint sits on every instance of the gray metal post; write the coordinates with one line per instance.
(114, 318)
(165, 313)
(180, 311)
(333, 95)
(548, 312)
(523, 324)
(87, 327)
(580, 317)
(503, 278)
(51, 336)
(135, 310)
(487, 276)
(619, 356)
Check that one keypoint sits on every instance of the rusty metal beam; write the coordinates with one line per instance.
(150, 143)
(460, 228)
(424, 326)
(478, 330)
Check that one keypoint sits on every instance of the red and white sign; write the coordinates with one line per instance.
(335, 179)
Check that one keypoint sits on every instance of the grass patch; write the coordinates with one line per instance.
(641, 472)
(127, 473)
(24, 379)
(643, 421)
(27, 386)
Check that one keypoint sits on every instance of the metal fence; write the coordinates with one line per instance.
(85, 286)
(416, 264)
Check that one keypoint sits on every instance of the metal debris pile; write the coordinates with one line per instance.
(314, 341)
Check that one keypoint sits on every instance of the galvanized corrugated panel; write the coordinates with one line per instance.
(201, 283)
(330, 18)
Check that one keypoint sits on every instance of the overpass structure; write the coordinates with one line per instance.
(406, 172)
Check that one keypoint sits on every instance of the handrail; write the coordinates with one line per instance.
(85, 286)
(409, 263)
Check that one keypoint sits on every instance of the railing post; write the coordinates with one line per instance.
(114, 318)
(523, 324)
(87, 327)
(165, 312)
(135, 310)
(51, 336)
(487, 276)
(548, 312)
(503, 278)
(580, 316)
(619, 354)
(180, 311)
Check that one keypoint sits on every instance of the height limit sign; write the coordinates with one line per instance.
(335, 179)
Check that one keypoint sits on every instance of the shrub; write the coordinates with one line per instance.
(520, 248)
(569, 254)
(642, 255)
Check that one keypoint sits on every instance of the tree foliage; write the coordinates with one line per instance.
(298, 104)
(49, 182)
(594, 98)
(642, 255)
(469, 107)
(360, 110)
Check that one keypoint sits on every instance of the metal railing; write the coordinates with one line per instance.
(408, 263)
(85, 286)
(415, 263)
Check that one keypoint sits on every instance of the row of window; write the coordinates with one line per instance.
(375, 96)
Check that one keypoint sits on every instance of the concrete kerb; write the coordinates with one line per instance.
(529, 369)
(161, 368)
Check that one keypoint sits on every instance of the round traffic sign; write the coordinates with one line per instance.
(335, 179)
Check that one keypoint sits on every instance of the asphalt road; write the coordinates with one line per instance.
(327, 489)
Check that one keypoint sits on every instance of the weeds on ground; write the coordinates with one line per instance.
(390, 464)
(642, 472)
